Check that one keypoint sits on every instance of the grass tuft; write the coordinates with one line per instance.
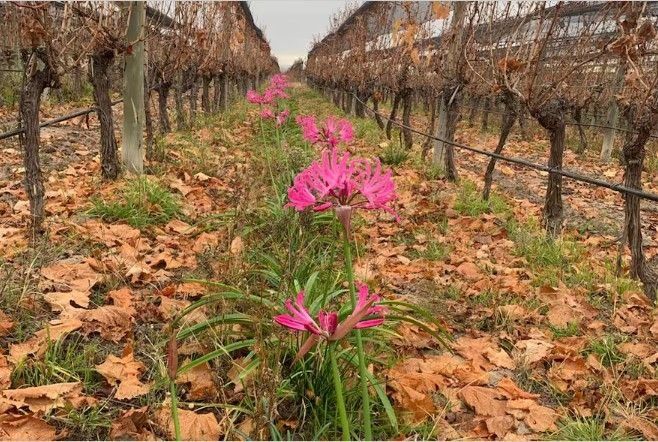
(435, 251)
(145, 203)
(469, 201)
(606, 349)
(393, 154)
(586, 429)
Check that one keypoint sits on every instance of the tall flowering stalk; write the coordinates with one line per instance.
(343, 183)
(366, 313)
(269, 109)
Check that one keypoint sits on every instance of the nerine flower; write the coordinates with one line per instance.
(333, 132)
(266, 113)
(341, 182)
(254, 97)
(366, 314)
(310, 130)
(279, 81)
(276, 89)
(282, 117)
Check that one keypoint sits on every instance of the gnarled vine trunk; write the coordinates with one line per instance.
(394, 112)
(375, 108)
(99, 77)
(552, 117)
(451, 100)
(223, 91)
(217, 92)
(194, 98)
(205, 94)
(582, 141)
(406, 120)
(30, 102)
(634, 152)
(431, 128)
(163, 94)
(179, 88)
(510, 113)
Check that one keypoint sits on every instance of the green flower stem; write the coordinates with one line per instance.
(174, 408)
(338, 388)
(363, 369)
(267, 156)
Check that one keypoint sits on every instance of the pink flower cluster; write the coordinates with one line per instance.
(268, 99)
(333, 132)
(367, 313)
(279, 118)
(337, 180)
(275, 90)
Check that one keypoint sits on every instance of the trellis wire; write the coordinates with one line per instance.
(515, 160)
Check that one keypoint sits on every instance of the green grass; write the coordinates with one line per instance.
(286, 252)
(435, 251)
(367, 129)
(432, 171)
(571, 329)
(586, 429)
(87, 423)
(469, 201)
(540, 250)
(605, 348)
(67, 360)
(144, 203)
(393, 154)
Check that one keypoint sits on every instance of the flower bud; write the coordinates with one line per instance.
(172, 356)
(344, 215)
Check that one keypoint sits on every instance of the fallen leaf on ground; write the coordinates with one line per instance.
(485, 401)
(61, 301)
(469, 271)
(237, 245)
(124, 372)
(36, 345)
(500, 425)
(201, 383)
(6, 324)
(194, 426)
(647, 428)
(45, 397)
(5, 372)
(25, 427)
(132, 425)
(75, 274)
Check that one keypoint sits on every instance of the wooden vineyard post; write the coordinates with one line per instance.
(133, 90)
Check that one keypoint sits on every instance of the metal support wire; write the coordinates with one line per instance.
(515, 160)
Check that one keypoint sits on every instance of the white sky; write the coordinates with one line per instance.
(290, 25)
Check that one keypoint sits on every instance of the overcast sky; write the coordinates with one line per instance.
(290, 25)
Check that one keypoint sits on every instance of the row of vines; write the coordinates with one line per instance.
(211, 49)
(551, 63)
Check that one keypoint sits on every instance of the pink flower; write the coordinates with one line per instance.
(332, 133)
(342, 182)
(279, 81)
(337, 130)
(266, 113)
(274, 91)
(282, 117)
(366, 314)
(272, 94)
(254, 97)
(309, 127)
